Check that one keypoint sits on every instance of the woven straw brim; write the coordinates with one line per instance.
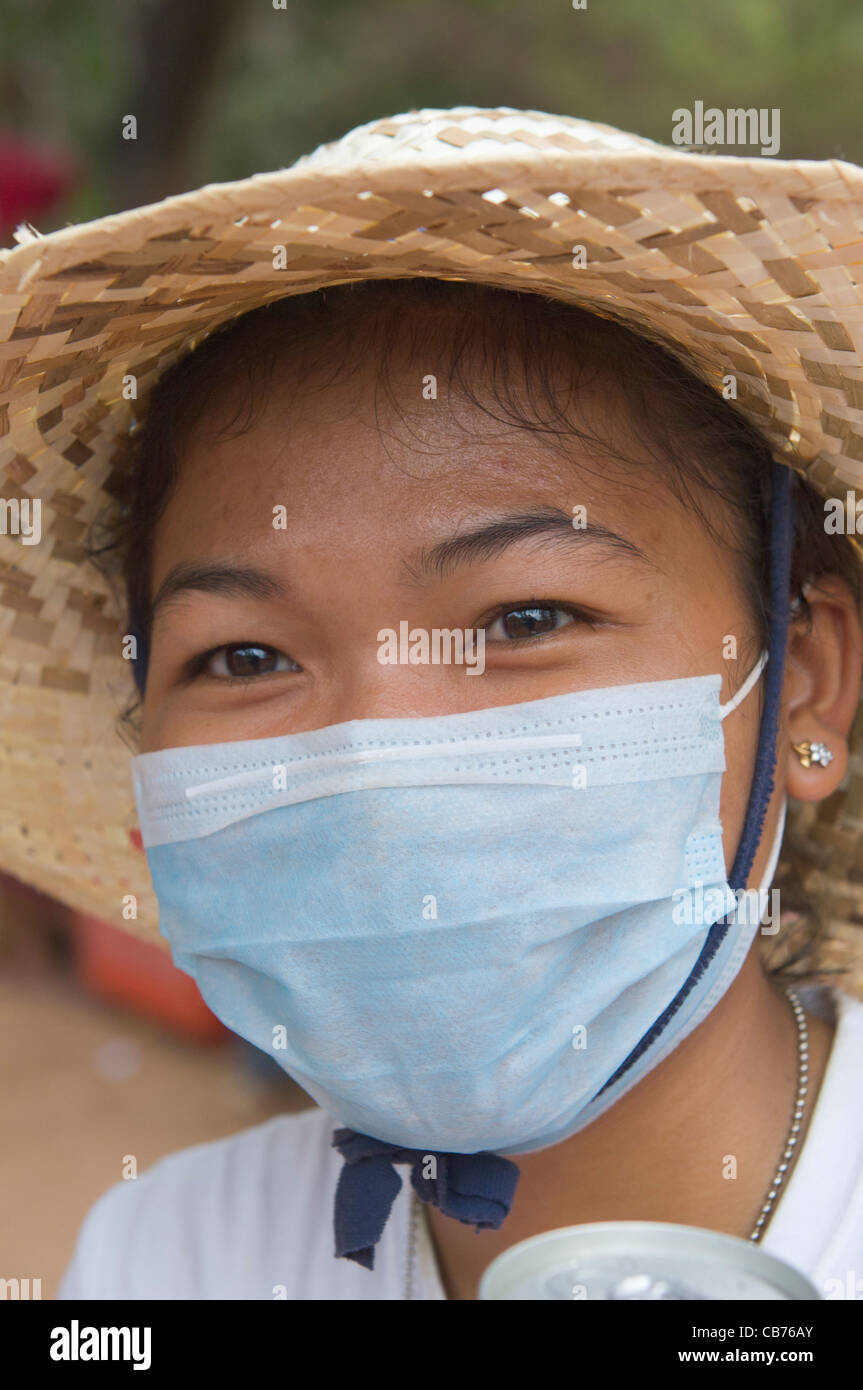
(750, 267)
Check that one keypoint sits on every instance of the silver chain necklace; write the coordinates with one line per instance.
(797, 1118)
(776, 1182)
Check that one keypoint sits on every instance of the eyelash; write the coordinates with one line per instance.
(581, 617)
(195, 667)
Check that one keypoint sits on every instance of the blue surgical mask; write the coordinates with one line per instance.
(454, 932)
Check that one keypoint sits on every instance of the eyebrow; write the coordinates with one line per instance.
(484, 542)
(233, 581)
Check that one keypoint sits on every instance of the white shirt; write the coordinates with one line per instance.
(251, 1216)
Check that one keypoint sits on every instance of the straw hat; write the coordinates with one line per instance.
(751, 266)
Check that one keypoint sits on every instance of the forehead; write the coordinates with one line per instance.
(394, 432)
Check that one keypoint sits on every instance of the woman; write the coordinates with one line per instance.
(507, 929)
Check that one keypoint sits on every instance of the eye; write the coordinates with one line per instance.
(529, 621)
(240, 661)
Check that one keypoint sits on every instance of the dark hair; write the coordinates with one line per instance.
(535, 354)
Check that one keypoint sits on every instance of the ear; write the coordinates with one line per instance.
(824, 663)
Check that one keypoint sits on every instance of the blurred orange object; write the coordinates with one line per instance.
(117, 966)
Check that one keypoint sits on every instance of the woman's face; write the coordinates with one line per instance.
(435, 516)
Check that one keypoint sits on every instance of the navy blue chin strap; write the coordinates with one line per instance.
(761, 788)
(478, 1189)
(139, 662)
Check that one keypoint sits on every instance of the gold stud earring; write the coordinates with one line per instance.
(809, 753)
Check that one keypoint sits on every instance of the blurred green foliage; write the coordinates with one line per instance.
(284, 80)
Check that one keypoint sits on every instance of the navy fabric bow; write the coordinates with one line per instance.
(477, 1189)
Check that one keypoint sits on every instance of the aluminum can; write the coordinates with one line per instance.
(644, 1260)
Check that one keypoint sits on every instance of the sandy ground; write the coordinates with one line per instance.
(82, 1085)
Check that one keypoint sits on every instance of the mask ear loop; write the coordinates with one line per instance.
(725, 710)
(761, 788)
(763, 777)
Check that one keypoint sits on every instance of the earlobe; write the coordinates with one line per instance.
(812, 778)
(823, 672)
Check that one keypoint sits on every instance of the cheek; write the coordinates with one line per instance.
(740, 730)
